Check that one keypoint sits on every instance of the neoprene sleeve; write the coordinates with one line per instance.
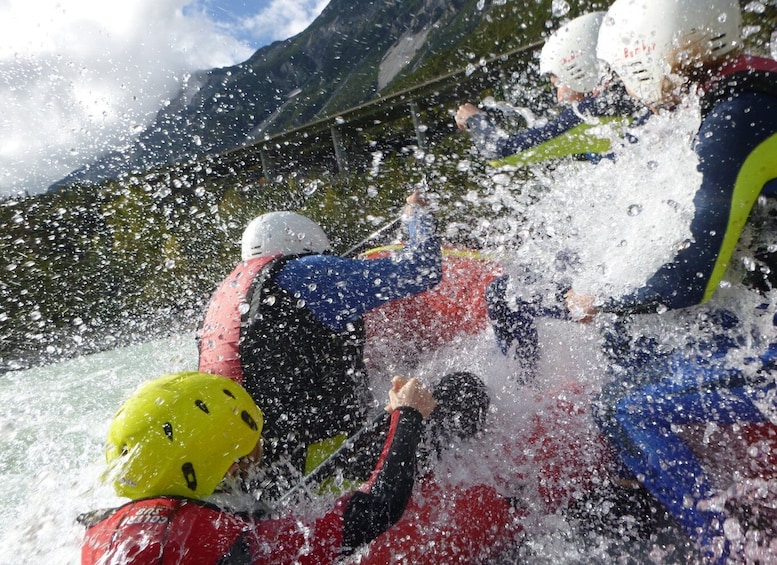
(382, 500)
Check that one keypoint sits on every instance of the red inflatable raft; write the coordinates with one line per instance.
(557, 456)
(453, 309)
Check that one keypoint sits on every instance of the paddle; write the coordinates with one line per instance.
(337, 459)
(366, 242)
(421, 188)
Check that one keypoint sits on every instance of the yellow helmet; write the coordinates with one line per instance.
(179, 435)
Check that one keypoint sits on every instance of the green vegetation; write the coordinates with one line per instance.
(93, 267)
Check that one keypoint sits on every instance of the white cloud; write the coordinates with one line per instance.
(80, 77)
(283, 18)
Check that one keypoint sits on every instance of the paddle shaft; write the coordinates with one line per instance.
(366, 242)
(337, 459)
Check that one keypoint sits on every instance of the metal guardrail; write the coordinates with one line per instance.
(322, 140)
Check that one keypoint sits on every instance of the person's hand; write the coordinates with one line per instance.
(580, 306)
(410, 393)
(415, 200)
(464, 112)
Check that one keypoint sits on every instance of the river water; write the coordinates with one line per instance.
(53, 419)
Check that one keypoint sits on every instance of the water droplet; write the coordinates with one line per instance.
(635, 210)
(559, 8)
(755, 7)
(312, 187)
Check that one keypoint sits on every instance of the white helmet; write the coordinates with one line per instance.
(283, 233)
(642, 39)
(570, 53)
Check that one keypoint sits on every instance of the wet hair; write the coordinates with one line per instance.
(462, 405)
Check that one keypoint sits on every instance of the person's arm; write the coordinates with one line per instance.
(568, 134)
(494, 143)
(380, 502)
(359, 517)
(339, 290)
(490, 140)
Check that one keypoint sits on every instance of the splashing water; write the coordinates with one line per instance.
(617, 226)
(55, 419)
(559, 8)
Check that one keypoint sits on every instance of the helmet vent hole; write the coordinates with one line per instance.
(189, 475)
(248, 419)
(202, 406)
(229, 393)
(167, 427)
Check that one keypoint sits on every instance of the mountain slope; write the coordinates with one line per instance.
(334, 64)
(354, 51)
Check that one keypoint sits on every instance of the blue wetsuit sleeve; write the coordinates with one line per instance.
(339, 290)
(492, 142)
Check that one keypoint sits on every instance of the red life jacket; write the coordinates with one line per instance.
(182, 531)
(170, 530)
(745, 73)
(163, 530)
(309, 380)
(220, 333)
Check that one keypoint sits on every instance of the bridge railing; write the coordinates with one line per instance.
(425, 109)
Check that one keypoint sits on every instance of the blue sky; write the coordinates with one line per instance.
(259, 22)
(79, 78)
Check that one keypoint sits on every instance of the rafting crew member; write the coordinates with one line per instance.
(723, 372)
(287, 324)
(569, 59)
(175, 439)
